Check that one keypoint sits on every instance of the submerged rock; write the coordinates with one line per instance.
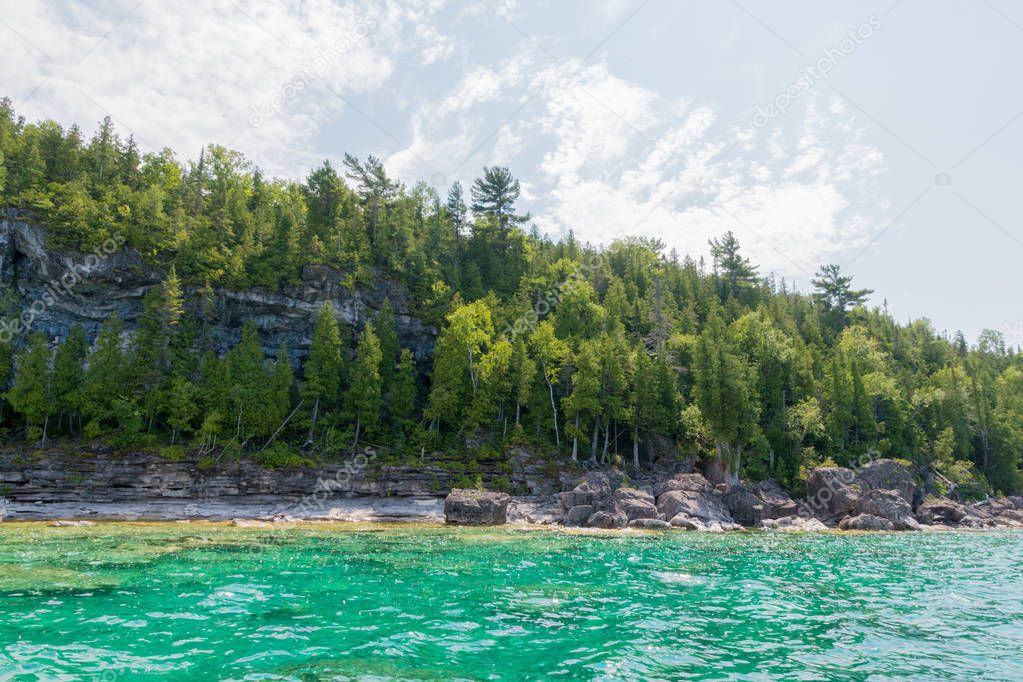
(476, 507)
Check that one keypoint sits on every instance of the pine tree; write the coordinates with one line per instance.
(494, 195)
(524, 368)
(181, 406)
(30, 393)
(68, 373)
(363, 400)
(104, 381)
(322, 366)
(402, 400)
(386, 332)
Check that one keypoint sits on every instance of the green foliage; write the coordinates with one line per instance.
(629, 346)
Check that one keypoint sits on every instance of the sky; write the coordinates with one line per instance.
(881, 136)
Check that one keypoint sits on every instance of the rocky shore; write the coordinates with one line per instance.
(882, 495)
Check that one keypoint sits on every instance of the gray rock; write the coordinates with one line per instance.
(794, 523)
(630, 494)
(603, 519)
(941, 511)
(890, 505)
(691, 482)
(636, 508)
(476, 507)
(594, 490)
(578, 515)
(707, 507)
(887, 474)
(650, 524)
(777, 503)
(866, 522)
(832, 493)
(745, 507)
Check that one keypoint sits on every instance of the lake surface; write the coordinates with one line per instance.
(208, 602)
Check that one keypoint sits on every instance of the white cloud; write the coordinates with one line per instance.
(183, 78)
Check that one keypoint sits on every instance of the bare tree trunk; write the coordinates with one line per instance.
(312, 426)
(575, 440)
(635, 449)
(593, 442)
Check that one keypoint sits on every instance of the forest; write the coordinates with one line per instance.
(621, 353)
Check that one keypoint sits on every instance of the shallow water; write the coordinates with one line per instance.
(202, 601)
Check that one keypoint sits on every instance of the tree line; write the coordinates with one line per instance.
(623, 353)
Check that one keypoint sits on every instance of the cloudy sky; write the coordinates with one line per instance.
(883, 136)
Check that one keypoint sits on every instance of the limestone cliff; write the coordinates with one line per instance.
(55, 290)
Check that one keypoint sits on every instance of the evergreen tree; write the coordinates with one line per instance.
(322, 365)
(68, 373)
(363, 400)
(104, 381)
(494, 195)
(402, 400)
(30, 393)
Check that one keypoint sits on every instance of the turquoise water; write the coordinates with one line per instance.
(198, 601)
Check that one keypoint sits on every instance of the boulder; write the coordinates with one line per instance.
(603, 519)
(887, 474)
(578, 515)
(794, 523)
(686, 522)
(704, 506)
(888, 504)
(476, 507)
(634, 503)
(650, 524)
(941, 511)
(629, 494)
(745, 507)
(866, 522)
(593, 490)
(777, 503)
(692, 482)
(832, 493)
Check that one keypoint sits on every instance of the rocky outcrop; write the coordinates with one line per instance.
(889, 505)
(764, 500)
(688, 481)
(690, 502)
(60, 289)
(832, 493)
(476, 507)
(887, 474)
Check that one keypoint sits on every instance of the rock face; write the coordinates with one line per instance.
(476, 507)
(117, 282)
(650, 524)
(832, 493)
(96, 474)
(887, 474)
(593, 490)
(889, 505)
(691, 482)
